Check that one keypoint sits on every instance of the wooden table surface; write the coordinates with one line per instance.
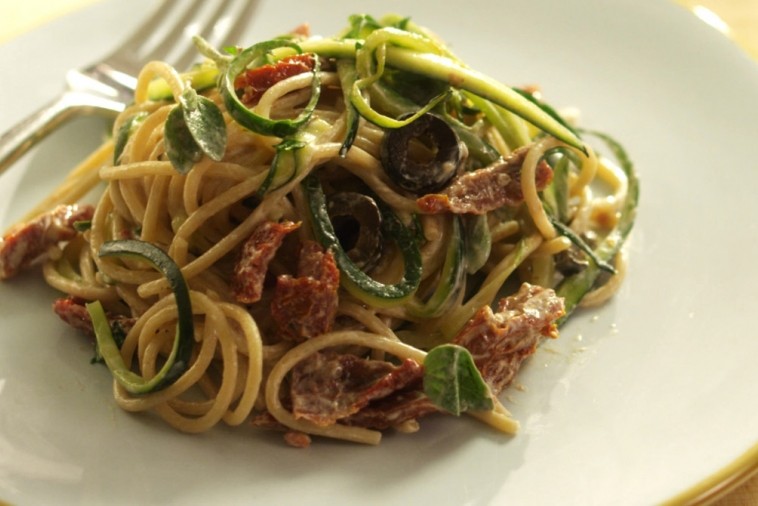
(736, 19)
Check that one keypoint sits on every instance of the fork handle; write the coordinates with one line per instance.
(26, 133)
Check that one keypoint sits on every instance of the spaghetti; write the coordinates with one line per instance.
(348, 215)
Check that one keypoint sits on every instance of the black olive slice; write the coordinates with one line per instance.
(571, 261)
(357, 223)
(422, 156)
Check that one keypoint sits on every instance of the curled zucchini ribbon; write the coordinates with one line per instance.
(574, 288)
(370, 62)
(253, 57)
(392, 47)
(178, 359)
(292, 156)
(355, 281)
(201, 77)
(348, 75)
(363, 54)
(451, 278)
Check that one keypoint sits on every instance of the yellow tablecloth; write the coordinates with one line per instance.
(737, 19)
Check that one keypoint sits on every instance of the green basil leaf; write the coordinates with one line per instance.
(452, 381)
(361, 25)
(205, 122)
(181, 148)
(290, 144)
(82, 225)
(124, 132)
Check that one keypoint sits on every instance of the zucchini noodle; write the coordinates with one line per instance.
(411, 283)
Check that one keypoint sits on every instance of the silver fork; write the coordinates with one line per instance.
(108, 85)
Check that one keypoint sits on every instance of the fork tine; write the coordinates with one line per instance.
(166, 34)
(211, 19)
(94, 87)
(221, 32)
(160, 32)
(241, 21)
(223, 27)
(164, 42)
(129, 48)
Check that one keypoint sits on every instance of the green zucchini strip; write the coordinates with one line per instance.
(448, 70)
(201, 77)
(254, 57)
(480, 152)
(353, 279)
(293, 155)
(451, 277)
(573, 288)
(577, 241)
(477, 241)
(445, 69)
(450, 324)
(556, 195)
(178, 360)
(545, 107)
(369, 72)
(511, 127)
(348, 76)
(401, 49)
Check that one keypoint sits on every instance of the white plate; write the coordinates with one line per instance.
(636, 403)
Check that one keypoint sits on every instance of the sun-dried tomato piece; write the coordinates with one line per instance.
(326, 387)
(253, 83)
(500, 341)
(257, 252)
(393, 410)
(27, 242)
(349, 390)
(486, 189)
(306, 306)
(297, 439)
(72, 311)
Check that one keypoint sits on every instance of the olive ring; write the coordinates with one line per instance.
(425, 175)
(357, 223)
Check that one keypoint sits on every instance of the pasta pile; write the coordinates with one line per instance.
(342, 215)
